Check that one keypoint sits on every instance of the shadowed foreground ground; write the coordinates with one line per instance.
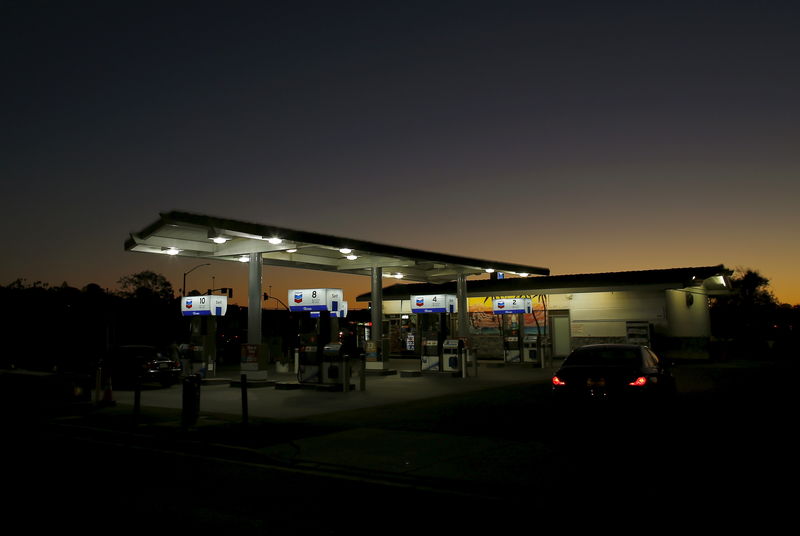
(719, 456)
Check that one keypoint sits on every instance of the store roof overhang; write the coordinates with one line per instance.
(707, 280)
(207, 237)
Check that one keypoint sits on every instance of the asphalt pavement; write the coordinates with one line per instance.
(718, 455)
(432, 429)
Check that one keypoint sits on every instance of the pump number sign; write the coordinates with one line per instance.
(315, 299)
(204, 305)
(434, 303)
(508, 306)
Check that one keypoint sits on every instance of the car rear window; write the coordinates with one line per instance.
(138, 353)
(607, 357)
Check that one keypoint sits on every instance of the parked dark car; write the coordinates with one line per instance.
(613, 372)
(128, 365)
(29, 391)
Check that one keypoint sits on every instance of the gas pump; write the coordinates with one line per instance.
(432, 311)
(332, 372)
(318, 360)
(309, 356)
(450, 356)
(202, 312)
(511, 349)
(430, 360)
(529, 350)
(309, 368)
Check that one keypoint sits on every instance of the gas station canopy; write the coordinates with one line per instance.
(207, 237)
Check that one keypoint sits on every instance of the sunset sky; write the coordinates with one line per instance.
(580, 136)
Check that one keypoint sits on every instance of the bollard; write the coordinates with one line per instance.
(244, 399)
(191, 400)
(98, 385)
(362, 373)
(137, 399)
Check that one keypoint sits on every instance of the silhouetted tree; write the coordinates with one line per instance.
(52, 328)
(745, 318)
(146, 284)
(150, 312)
(66, 328)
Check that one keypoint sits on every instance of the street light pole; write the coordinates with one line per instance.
(190, 271)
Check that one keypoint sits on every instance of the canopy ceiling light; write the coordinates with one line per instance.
(217, 236)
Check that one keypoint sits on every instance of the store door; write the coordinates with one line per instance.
(559, 331)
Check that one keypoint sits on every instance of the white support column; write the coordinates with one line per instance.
(463, 318)
(256, 365)
(463, 308)
(378, 360)
(254, 285)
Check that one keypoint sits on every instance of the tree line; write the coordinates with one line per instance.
(72, 329)
(750, 322)
(62, 327)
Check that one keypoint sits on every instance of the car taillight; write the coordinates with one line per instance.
(639, 382)
(558, 381)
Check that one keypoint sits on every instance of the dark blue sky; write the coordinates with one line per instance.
(582, 136)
